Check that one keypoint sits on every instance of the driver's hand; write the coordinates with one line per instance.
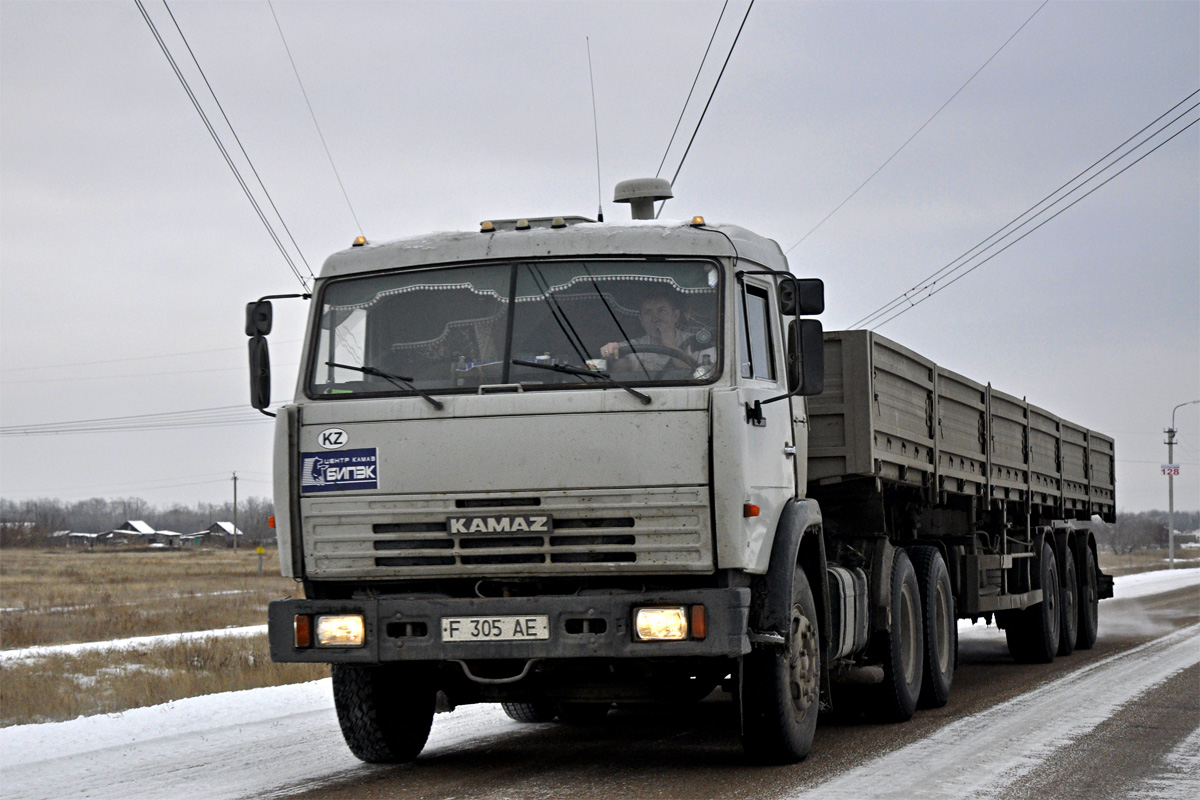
(610, 350)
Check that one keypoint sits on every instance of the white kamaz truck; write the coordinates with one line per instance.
(561, 464)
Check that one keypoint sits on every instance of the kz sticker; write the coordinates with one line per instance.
(344, 471)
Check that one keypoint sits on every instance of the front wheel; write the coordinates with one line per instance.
(385, 712)
(781, 688)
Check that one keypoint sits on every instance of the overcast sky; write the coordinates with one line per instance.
(129, 251)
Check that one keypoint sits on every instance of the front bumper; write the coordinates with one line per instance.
(408, 628)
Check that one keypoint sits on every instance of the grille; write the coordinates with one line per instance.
(664, 530)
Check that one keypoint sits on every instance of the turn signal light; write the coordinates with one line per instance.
(271, 522)
(660, 624)
(302, 626)
(699, 623)
(751, 510)
(340, 630)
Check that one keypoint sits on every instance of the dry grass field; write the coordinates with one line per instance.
(51, 597)
(1147, 560)
(77, 595)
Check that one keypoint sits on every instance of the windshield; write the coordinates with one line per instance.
(564, 323)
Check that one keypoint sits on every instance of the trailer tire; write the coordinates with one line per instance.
(385, 712)
(1034, 632)
(1068, 626)
(531, 712)
(902, 649)
(1089, 602)
(781, 687)
(940, 625)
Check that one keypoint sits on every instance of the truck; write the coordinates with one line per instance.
(564, 465)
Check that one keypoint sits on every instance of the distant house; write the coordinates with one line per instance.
(88, 539)
(133, 532)
(222, 534)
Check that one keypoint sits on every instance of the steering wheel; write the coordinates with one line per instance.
(659, 349)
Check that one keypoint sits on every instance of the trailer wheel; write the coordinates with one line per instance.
(902, 650)
(530, 712)
(1068, 626)
(1033, 633)
(781, 687)
(940, 628)
(385, 712)
(1089, 602)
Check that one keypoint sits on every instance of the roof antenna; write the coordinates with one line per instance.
(596, 129)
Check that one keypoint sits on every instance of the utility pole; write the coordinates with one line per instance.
(235, 527)
(1171, 468)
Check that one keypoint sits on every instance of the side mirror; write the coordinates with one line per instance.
(801, 296)
(260, 369)
(812, 296)
(805, 357)
(259, 316)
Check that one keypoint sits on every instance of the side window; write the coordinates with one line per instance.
(758, 358)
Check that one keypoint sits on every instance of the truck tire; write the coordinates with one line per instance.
(385, 712)
(531, 712)
(940, 625)
(902, 650)
(1033, 633)
(1089, 602)
(1068, 626)
(781, 687)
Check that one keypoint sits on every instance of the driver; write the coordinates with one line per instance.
(660, 315)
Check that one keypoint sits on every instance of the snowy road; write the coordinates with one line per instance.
(1121, 720)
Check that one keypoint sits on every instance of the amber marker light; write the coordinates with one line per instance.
(302, 626)
(359, 241)
(699, 623)
(487, 227)
(523, 225)
(271, 522)
(660, 624)
(697, 221)
(751, 510)
(340, 630)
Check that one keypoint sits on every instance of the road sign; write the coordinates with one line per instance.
(1170, 469)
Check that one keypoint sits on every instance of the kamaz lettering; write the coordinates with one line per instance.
(533, 524)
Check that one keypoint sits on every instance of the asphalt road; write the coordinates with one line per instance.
(1120, 720)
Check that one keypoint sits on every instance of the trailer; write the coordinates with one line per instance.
(561, 464)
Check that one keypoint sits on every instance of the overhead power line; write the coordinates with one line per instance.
(924, 125)
(961, 267)
(220, 416)
(313, 114)
(221, 146)
(699, 69)
(711, 94)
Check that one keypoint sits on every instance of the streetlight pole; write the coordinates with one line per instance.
(1171, 482)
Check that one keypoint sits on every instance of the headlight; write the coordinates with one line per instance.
(660, 624)
(340, 630)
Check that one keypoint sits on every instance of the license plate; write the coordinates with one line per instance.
(495, 629)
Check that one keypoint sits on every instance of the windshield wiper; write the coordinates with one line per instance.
(587, 373)
(395, 380)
